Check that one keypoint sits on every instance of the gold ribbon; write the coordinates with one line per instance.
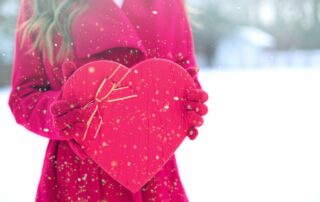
(99, 100)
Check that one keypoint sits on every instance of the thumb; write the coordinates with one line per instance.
(193, 71)
(68, 68)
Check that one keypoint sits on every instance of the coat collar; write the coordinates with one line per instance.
(102, 26)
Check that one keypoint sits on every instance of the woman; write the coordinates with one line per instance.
(54, 38)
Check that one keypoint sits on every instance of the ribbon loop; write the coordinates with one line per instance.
(106, 87)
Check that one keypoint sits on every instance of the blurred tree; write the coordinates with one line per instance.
(208, 27)
(7, 25)
(293, 23)
(315, 5)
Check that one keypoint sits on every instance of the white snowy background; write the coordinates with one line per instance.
(260, 141)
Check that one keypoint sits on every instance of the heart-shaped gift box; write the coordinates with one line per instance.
(138, 118)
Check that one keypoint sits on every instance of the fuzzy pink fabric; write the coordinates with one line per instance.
(140, 29)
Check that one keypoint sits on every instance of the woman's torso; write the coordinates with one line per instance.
(138, 30)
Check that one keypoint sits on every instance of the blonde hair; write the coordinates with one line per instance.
(51, 17)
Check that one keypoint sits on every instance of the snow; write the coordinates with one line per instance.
(260, 141)
(21, 156)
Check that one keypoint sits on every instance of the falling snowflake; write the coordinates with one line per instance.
(114, 163)
(176, 98)
(91, 70)
(104, 144)
(46, 130)
(84, 176)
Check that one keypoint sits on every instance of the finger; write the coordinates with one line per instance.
(67, 120)
(193, 71)
(194, 119)
(76, 131)
(200, 108)
(63, 106)
(87, 112)
(193, 133)
(197, 95)
(68, 68)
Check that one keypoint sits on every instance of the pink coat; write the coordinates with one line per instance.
(140, 29)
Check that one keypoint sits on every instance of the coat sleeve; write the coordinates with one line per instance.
(31, 94)
(187, 59)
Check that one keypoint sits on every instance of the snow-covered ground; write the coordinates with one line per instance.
(260, 141)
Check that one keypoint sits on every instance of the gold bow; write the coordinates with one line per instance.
(98, 99)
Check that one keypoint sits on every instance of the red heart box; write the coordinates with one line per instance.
(138, 118)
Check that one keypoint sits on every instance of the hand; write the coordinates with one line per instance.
(66, 113)
(195, 104)
(68, 117)
(68, 68)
